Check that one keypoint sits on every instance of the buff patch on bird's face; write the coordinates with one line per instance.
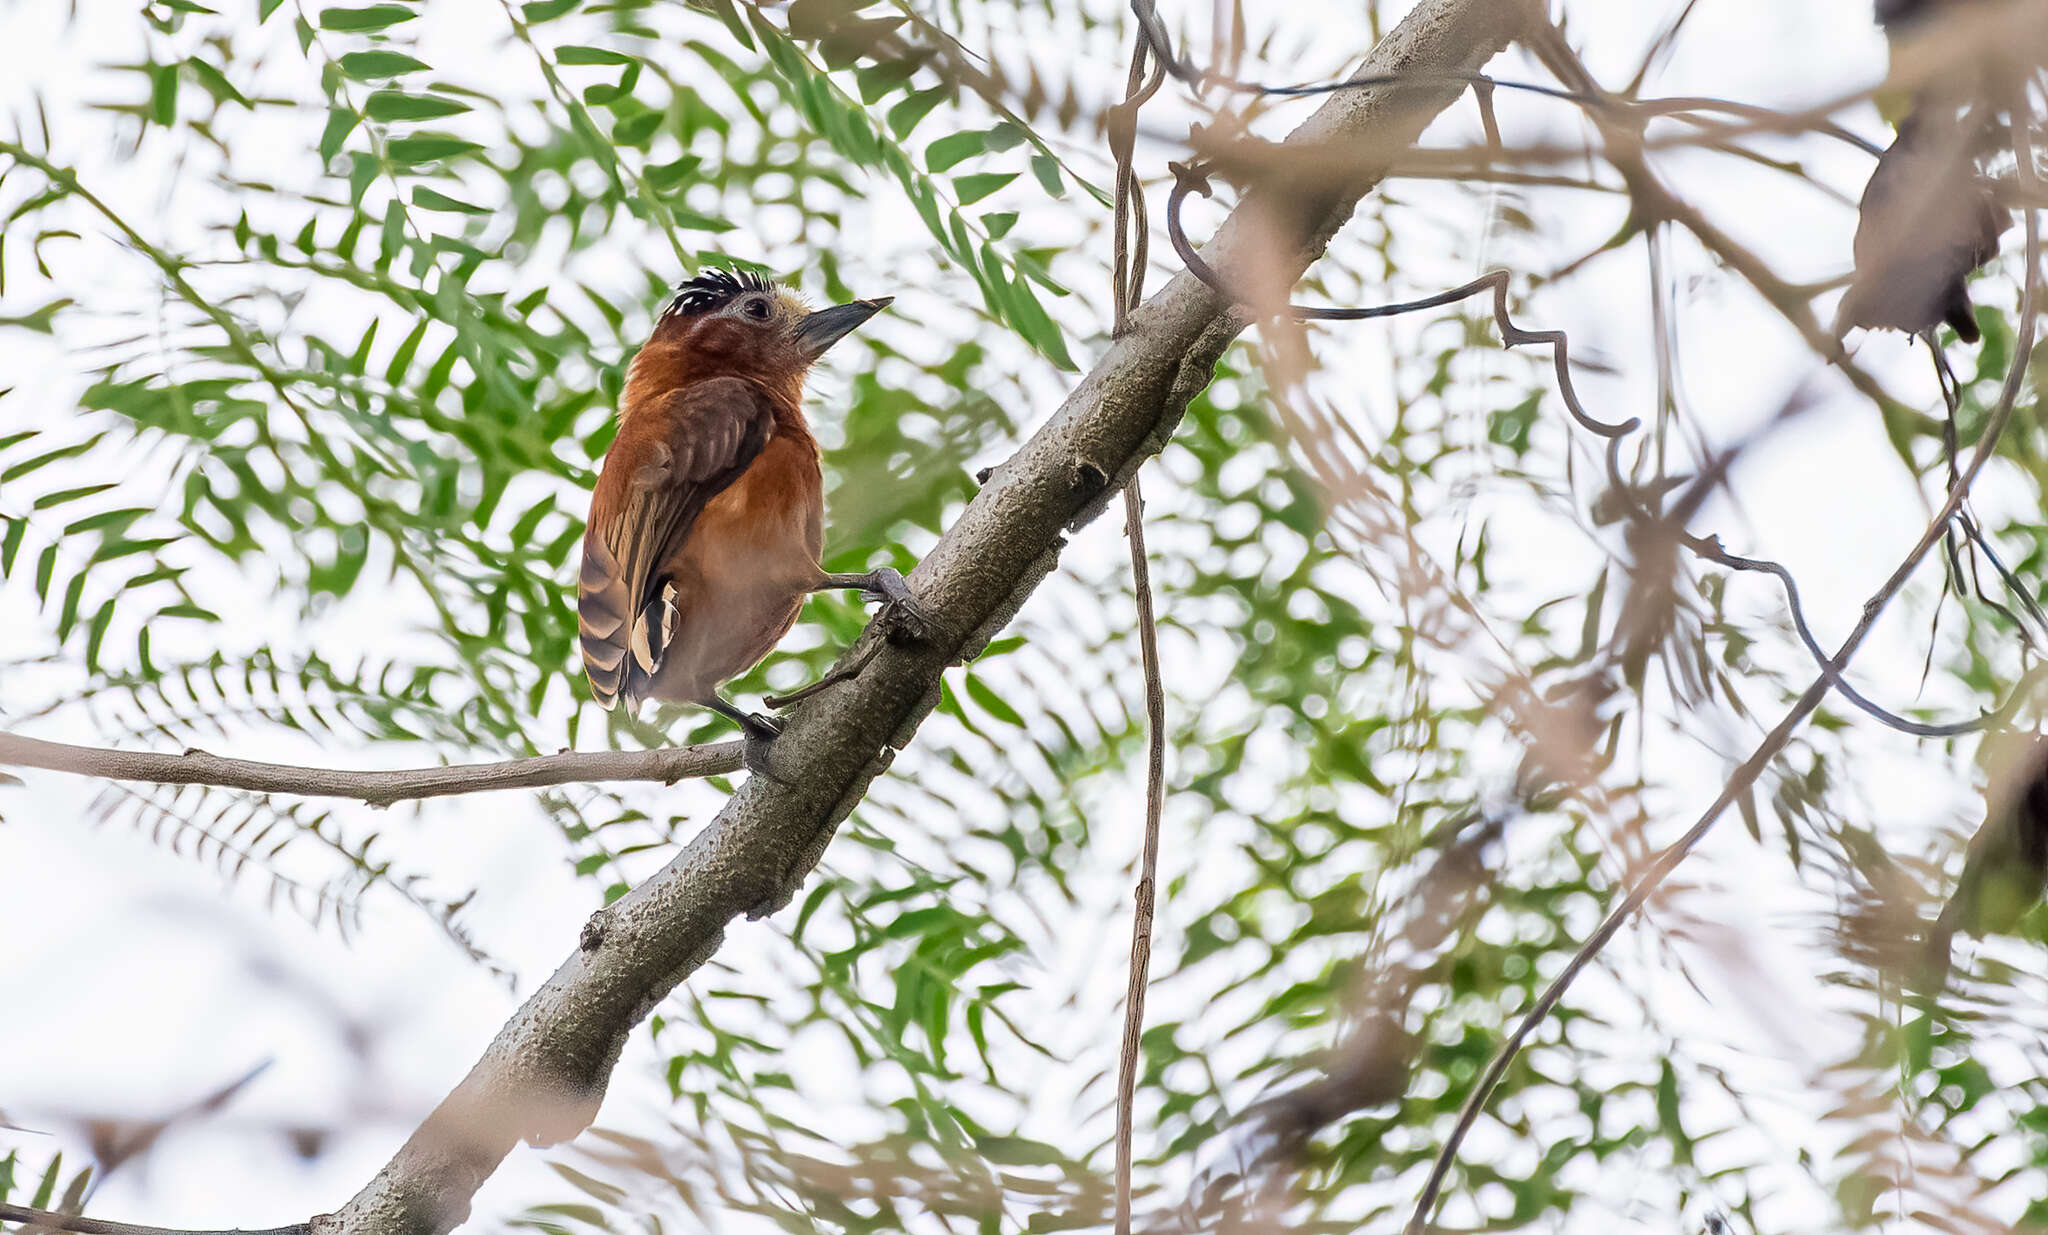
(793, 306)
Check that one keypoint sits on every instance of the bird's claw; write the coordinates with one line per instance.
(757, 756)
(907, 621)
(903, 618)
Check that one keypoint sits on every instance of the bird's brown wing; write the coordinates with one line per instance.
(667, 462)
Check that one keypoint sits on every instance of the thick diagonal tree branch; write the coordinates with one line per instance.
(542, 1078)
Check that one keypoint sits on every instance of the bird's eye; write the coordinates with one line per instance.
(756, 309)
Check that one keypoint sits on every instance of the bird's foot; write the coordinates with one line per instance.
(903, 618)
(907, 621)
(759, 733)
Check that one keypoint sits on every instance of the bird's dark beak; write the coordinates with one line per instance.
(822, 329)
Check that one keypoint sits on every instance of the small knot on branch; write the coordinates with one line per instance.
(594, 931)
(1089, 476)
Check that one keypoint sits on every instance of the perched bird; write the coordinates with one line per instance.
(1928, 217)
(708, 517)
(2007, 866)
(1927, 220)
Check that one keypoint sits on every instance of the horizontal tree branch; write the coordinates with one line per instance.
(40, 1219)
(378, 788)
(543, 1077)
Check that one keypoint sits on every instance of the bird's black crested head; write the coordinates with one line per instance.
(714, 289)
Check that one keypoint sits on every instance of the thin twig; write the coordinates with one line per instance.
(1148, 866)
(45, 1220)
(377, 788)
(1965, 45)
(1127, 292)
(1191, 178)
(1710, 549)
(1951, 397)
